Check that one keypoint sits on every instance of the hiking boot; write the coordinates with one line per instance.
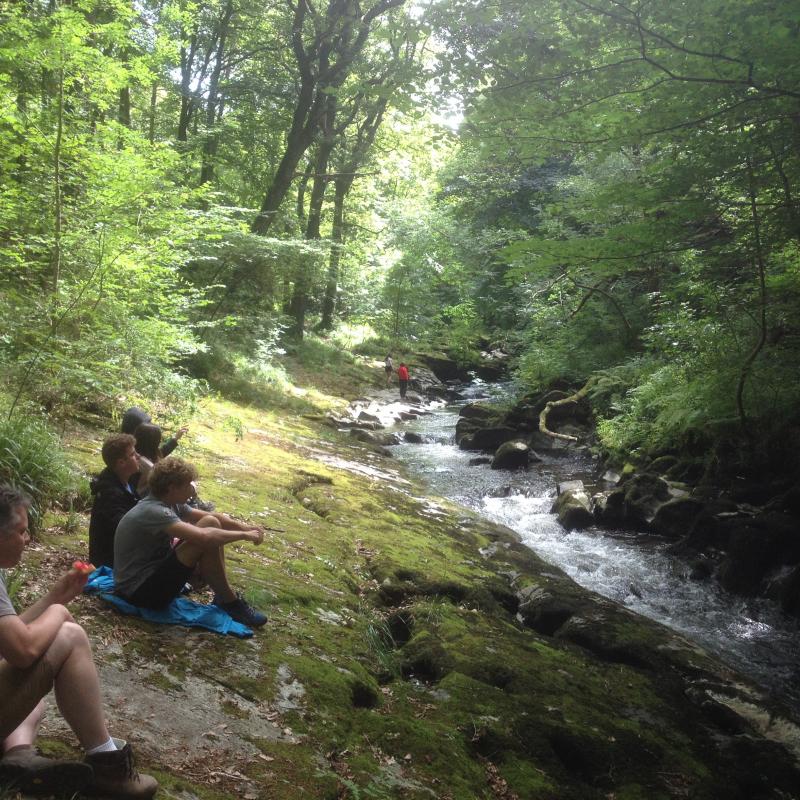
(115, 775)
(29, 773)
(243, 612)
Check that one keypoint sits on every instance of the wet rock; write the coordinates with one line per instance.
(543, 611)
(661, 465)
(487, 439)
(478, 411)
(608, 508)
(511, 455)
(543, 443)
(368, 437)
(413, 438)
(464, 428)
(784, 589)
(689, 471)
(644, 493)
(701, 569)
(675, 517)
(476, 462)
(757, 547)
(444, 368)
(787, 502)
(438, 390)
(572, 506)
(365, 416)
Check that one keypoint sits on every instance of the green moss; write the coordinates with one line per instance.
(417, 678)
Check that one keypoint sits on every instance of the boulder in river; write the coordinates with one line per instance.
(443, 367)
(644, 493)
(572, 506)
(379, 439)
(675, 517)
(413, 438)
(511, 455)
(487, 439)
(478, 411)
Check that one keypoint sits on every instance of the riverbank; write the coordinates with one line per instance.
(414, 650)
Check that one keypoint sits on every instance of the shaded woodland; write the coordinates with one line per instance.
(603, 190)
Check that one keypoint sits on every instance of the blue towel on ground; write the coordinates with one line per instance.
(179, 612)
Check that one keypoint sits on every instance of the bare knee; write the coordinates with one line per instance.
(70, 638)
(208, 521)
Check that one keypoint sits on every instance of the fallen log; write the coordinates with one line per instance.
(573, 398)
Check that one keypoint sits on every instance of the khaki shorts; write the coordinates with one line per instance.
(20, 691)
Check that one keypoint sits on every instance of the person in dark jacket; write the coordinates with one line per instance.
(114, 496)
(134, 417)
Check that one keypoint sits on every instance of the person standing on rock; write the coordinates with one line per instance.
(388, 366)
(402, 379)
(44, 648)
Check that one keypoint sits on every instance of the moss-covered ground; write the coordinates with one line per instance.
(395, 663)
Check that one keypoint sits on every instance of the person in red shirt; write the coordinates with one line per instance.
(402, 379)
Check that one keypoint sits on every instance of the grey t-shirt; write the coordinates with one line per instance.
(6, 606)
(141, 543)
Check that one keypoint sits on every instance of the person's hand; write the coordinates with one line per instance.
(180, 432)
(70, 584)
(256, 535)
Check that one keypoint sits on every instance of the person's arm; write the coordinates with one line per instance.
(25, 638)
(172, 442)
(64, 590)
(217, 536)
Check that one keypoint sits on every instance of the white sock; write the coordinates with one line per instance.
(103, 748)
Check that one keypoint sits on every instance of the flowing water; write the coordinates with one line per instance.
(629, 567)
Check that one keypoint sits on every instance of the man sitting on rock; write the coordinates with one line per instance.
(150, 572)
(114, 496)
(40, 649)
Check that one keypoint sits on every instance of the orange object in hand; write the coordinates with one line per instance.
(84, 567)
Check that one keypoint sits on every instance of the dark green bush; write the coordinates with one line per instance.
(32, 458)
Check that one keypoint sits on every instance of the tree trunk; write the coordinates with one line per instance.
(762, 300)
(215, 104)
(124, 116)
(151, 131)
(55, 258)
(301, 193)
(337, 240)
(302, 284)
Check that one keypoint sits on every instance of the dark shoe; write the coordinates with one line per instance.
(29, 773)
(243, 612)
(115, 775)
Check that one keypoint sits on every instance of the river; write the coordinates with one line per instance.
(632, 568)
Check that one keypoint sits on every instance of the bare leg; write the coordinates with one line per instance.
(25, 734)
(77, 687)
(209, 562)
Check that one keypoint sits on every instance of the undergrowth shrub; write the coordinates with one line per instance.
(32, 458)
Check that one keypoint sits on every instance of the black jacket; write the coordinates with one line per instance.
(111, 502)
